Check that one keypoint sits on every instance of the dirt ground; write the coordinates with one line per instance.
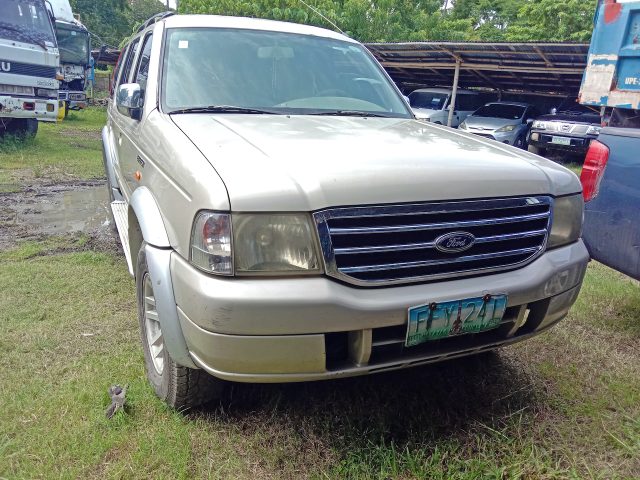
(43, 210)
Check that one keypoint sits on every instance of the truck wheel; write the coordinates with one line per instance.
(180, 387)
(538, 151)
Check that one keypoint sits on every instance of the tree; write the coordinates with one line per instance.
(104, 18)
(550, 20)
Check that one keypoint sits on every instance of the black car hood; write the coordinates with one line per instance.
(589, 118)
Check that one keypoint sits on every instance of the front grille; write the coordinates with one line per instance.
(389, 244)
(485, 135)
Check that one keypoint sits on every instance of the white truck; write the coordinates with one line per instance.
(74, 45)
(28, 62)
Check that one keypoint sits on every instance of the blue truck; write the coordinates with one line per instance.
(611, 171)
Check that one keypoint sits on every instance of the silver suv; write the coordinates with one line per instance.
(287, 218)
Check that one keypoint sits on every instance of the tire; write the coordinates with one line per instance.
(66, 109)
(538, 151)
(520, 142)
(179, 387)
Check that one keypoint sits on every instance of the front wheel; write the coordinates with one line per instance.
(520, 142)
(180, 387)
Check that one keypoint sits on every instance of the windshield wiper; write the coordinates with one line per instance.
(37, 41)
(223, 109)
(349, 113)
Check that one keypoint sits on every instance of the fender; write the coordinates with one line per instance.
(159, 261)
(146, 224)
(147, 216)
(109, 160)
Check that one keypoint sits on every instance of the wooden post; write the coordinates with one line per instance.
(454, 92)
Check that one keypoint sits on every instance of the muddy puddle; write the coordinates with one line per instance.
(54, 210)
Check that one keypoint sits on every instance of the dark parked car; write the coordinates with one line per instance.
(570, 128)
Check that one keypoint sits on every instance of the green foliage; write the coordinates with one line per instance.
(414, 20)
(114, 20)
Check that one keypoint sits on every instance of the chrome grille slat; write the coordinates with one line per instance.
(394, 244)
(436, 226)
(429, 263)
(418, 246)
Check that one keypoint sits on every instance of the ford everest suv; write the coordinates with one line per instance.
(286, 217)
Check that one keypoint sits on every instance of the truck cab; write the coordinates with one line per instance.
(28, 62)
(74, 44)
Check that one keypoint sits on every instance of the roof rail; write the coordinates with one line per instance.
(155, 18)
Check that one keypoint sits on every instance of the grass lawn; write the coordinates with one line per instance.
(564, 405)
(66, 151)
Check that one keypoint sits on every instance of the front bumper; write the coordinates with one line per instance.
(278, 330)
(578, 144)
(502, 137)
(43, 109)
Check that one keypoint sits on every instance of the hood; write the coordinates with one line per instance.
(423, 112)
(490, 123)
(586, 118)
(305, 163)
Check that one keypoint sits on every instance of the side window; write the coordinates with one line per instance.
(466, 102)
(143, 65)
(126, 68)
(116, 71)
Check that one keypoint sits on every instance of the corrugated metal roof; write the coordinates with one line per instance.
(554, 68)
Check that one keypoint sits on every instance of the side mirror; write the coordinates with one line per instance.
(553, 111)
(129, 101)
(529, 121)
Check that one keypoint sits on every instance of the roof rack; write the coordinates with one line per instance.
(156, 18)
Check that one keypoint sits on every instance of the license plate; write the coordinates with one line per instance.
(561, 140)
(445, 319)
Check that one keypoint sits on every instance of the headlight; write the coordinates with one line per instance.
(506, 128)
(463, 125)
(211, 243)
(540, 125)
(47, 93)
(567, 220)
(593, 130)
(274, 244)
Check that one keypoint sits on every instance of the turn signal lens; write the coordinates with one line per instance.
(593, 169)
(211, 243)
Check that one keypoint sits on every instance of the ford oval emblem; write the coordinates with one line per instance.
(455, 242)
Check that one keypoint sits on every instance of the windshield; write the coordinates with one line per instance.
(73, 45)
(26, 21)
(499, 110)
(278, 72)
(430, 100)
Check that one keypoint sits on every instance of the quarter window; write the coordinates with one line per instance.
(143, 65)
(128, 62)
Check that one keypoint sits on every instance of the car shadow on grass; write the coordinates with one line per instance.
(413, 407)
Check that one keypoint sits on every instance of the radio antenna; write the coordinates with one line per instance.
(319, 13)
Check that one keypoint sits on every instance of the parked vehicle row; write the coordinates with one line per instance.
(568, 128)
(44, 54)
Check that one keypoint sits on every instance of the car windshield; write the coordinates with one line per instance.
(430, 100)
(73, 45)
(499, 110)
(26, 21)
(272, 71)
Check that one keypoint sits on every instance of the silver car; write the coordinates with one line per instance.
(505, 122)
(287, 218)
